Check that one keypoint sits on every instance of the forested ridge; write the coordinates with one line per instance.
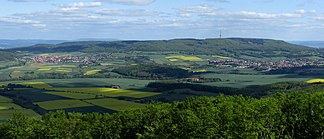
(285, 115)
(234, 47)
(7, 56)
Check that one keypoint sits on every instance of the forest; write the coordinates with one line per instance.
(285, 115)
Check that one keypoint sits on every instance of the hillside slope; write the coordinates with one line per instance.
(230, 46)
(7, 56)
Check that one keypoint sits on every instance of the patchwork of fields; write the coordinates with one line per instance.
(49, 97)
(8, 108)
(95, 87)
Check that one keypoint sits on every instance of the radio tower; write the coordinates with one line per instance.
(220, 34)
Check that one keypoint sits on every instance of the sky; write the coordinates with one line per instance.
(291, 20)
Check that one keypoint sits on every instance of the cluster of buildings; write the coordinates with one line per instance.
(266, 65)
(64, 59)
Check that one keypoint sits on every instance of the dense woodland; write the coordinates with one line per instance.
(233, 47)
(285, 115)
(153, 71)
(256, 91)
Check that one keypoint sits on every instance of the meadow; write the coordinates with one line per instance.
(240, 81)
(115, 104)
(6, 114)
(73, 95)
(62, 104)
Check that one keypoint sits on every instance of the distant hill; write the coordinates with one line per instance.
(7, 44)
(316, 44)
(7, 56)
(234, 47)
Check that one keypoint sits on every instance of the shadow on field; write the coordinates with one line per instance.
(36, 95)
(300, 76)
(75, 84)
(88, 109)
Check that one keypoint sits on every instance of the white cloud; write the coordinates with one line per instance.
(39, 25)
(70, 9)
(200, 10)
(130, 2)
(302, 11)
(85, 4)
(27, 0)
(126, 12)
(266, 15)
(16, 20)
(320, 18)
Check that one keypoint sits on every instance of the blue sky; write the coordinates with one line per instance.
(161, 19)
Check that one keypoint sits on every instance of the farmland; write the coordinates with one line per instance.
(115, 104)
(73, 95)
(315, 81)
(110, 81)
(62, 104)
(185, 58)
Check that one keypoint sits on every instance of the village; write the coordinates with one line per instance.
(65, 59)
(265, 65)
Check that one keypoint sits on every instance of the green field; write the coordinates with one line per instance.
(111, 92)
(185, 58)
(64, 70)
(239, 81)
(62, 104)
(85, 82)
(5, 106)
(221, 57)
(115, 104)
(73, 95)
(6, 114)
(4, 99)
(91, 72)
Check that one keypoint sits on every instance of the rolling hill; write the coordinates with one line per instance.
(7, 56)
(316, 44)
(234, 47)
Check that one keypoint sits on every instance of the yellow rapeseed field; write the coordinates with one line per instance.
(185, 58)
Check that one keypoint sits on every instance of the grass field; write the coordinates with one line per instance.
(239, 81)
(16, 74)
(85, 82)
(64, 70)
(62, 104)
(111, 92)
(185, 58)
(200, 71)
(4, 99)
(221, 57)
(91, 72)
(315, 81)
(44, 69)
(5, 106)
(40, 85)
(73, 95)
(173, 60)
(6, 114)
(115, 104)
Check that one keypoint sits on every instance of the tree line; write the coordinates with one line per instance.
(285, 115)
